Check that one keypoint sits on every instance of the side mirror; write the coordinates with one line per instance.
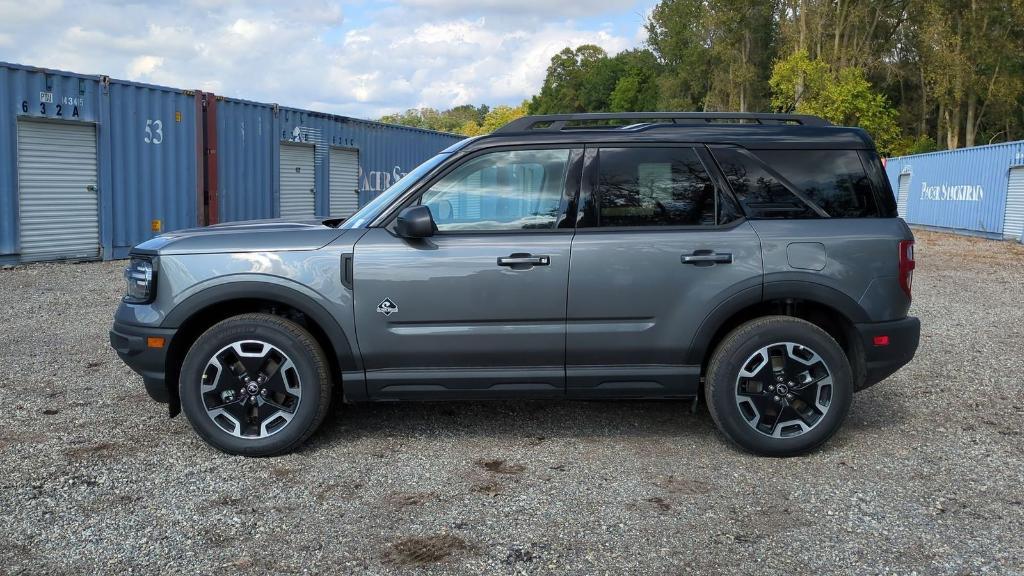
(415, 222)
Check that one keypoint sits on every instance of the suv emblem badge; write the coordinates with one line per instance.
(387, 307)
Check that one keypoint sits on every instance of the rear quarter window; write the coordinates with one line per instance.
(761, 194)
(835, 180)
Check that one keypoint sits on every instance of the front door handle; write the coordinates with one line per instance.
(707, 258)
(524, 260)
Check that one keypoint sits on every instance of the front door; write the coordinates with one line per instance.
(658, 247)
(477, 310)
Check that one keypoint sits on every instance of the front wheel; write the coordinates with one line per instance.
(255, 384)
(779, 386)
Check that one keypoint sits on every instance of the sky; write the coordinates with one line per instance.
(357, 58)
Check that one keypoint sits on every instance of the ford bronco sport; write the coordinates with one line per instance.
(754, 259)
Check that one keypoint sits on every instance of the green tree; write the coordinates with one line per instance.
(636, 89)
(444, 121)
(577, 80)
(496, 118)
(845, 97)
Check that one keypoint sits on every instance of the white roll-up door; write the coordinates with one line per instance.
(901, 195)
(298, 182)
(344, 182)
(1013, 218)
(58, 203)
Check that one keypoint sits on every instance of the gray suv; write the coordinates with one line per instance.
(755, 260)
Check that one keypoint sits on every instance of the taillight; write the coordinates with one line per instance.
(906, 265)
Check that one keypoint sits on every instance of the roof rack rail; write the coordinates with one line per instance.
(556, 122)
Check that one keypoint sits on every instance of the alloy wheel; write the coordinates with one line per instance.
(251, 389)
(784, 390)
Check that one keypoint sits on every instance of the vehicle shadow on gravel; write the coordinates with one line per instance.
(873, 410)
(518, 419)
(877, 408)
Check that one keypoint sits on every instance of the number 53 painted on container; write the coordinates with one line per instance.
(154, 132)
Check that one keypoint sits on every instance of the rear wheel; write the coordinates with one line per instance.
(255, 384)
(779, 386)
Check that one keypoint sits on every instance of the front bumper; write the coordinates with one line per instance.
(881, 361)
(129, 341)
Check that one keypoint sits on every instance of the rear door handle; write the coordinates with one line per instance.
(524, 260)
(707, 257)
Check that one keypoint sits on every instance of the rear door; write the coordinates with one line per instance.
(477, 310)
(658, 246)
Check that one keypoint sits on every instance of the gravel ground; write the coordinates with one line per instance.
(924, 477)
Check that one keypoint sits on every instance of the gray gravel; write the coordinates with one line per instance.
(925, 476)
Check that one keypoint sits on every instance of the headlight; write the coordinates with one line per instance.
(140, 281)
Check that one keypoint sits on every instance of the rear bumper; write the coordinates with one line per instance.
(129, 341)
(881, 361)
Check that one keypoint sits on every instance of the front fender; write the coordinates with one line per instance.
(286, 292)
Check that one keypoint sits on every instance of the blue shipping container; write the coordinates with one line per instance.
(152, 151)
(963, 190)
(145, 155)
(153, 159)
(249, 138)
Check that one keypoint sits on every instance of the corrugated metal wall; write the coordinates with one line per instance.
(963, 190)
(381, 163)
(247, 160)
(152, 161)
(29, 93)
(164, 153)
(249, 137)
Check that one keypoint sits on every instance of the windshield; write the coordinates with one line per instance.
(374, 207)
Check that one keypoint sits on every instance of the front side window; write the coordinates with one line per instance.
(651, 187)
(507, 190)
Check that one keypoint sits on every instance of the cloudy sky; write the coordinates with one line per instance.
(360, 57)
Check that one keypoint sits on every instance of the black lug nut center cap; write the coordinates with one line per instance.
(782, 389)
(252, 388)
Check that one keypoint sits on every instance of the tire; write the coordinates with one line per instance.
(742, 386)
(285, 399)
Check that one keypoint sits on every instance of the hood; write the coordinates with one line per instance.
(249, 236)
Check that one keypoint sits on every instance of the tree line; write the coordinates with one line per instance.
(919, 75)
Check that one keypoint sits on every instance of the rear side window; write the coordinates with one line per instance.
(835, 180)
(651, 187)
(880, 182)
(761, 194)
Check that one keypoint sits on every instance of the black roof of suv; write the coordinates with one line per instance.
(752, 130)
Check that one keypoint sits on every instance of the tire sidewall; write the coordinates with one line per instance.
(233, 330)
(739, 346)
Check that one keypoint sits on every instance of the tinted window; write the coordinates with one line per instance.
(509, 190)
(760, 193)
(652, 187)
(880, 182)
(833, 179)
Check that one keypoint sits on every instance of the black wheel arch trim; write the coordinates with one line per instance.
(718, 316)
(796, 289)
(346, 356)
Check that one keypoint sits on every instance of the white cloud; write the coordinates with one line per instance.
(411, 53)
(144, 66)
(531, 8)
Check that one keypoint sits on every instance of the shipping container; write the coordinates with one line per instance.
(91, 166)
(274, 161)
(978, 191)
(49, 151)
(150, 156)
